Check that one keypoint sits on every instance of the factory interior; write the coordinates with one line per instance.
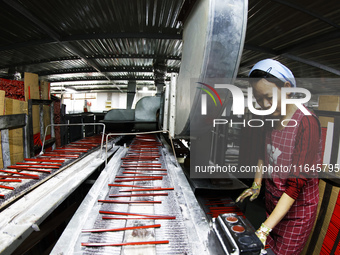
(102, 124)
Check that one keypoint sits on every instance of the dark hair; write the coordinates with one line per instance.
(257, 75)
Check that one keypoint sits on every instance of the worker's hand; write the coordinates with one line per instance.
(254, 192)
(262, 233)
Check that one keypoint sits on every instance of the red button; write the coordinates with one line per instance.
(232, 219)
(238, 229)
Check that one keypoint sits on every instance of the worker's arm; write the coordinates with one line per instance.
(254, 191)
(259, 172)
(280, 210)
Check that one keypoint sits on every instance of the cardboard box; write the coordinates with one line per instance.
(31, 83)
(16, 142)
(328, 103)
(45, 90)
(2, 102)
(17, 157)
(13, 106)
(324, 121)
(32, 91)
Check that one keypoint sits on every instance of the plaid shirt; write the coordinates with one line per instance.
(293, 147)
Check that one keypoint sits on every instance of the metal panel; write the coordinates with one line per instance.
(12, 121)
(213, 41)
(26, 139)
(131, 94)
(6, 157)
(166, 106)
(75, 133)
(89, 130)
(172, 103)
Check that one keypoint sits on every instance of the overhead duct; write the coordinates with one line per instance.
(130, 94)
(213, 39)
(159, 70)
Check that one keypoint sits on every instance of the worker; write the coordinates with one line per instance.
(291, 197)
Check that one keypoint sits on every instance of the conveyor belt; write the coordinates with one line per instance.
(33, 171)
(19, 219)
(184, 228)
(171, 230)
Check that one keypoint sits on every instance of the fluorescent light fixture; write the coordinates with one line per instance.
(70, 89)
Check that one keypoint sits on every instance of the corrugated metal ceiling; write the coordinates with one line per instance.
(304, 35)
(109, 42)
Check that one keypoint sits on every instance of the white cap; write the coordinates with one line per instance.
(276, 69)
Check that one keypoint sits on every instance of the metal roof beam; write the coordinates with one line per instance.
(170, 33)
(140, 69)
(310, 42)
(308, 12)
(257, 48)
(14, 46)
(41, 61)
(71, 38)
(292, 57)
(142, 56)
(312, 63)
(113, 78)
(117, 56)
(42, 26)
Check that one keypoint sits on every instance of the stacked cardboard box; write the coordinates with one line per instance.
(13, 106)
(328, 103)
(10, 106)
(31, 82)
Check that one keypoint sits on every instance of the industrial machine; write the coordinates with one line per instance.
(144, 117)
(142, 201)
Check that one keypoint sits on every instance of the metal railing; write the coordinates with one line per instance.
(76, 124)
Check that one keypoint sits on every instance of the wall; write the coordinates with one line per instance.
(118, 101)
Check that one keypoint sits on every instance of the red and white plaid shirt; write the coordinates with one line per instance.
(296, 148)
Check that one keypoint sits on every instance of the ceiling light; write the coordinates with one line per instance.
(69, 89)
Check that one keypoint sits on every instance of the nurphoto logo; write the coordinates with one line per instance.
(239, 107)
